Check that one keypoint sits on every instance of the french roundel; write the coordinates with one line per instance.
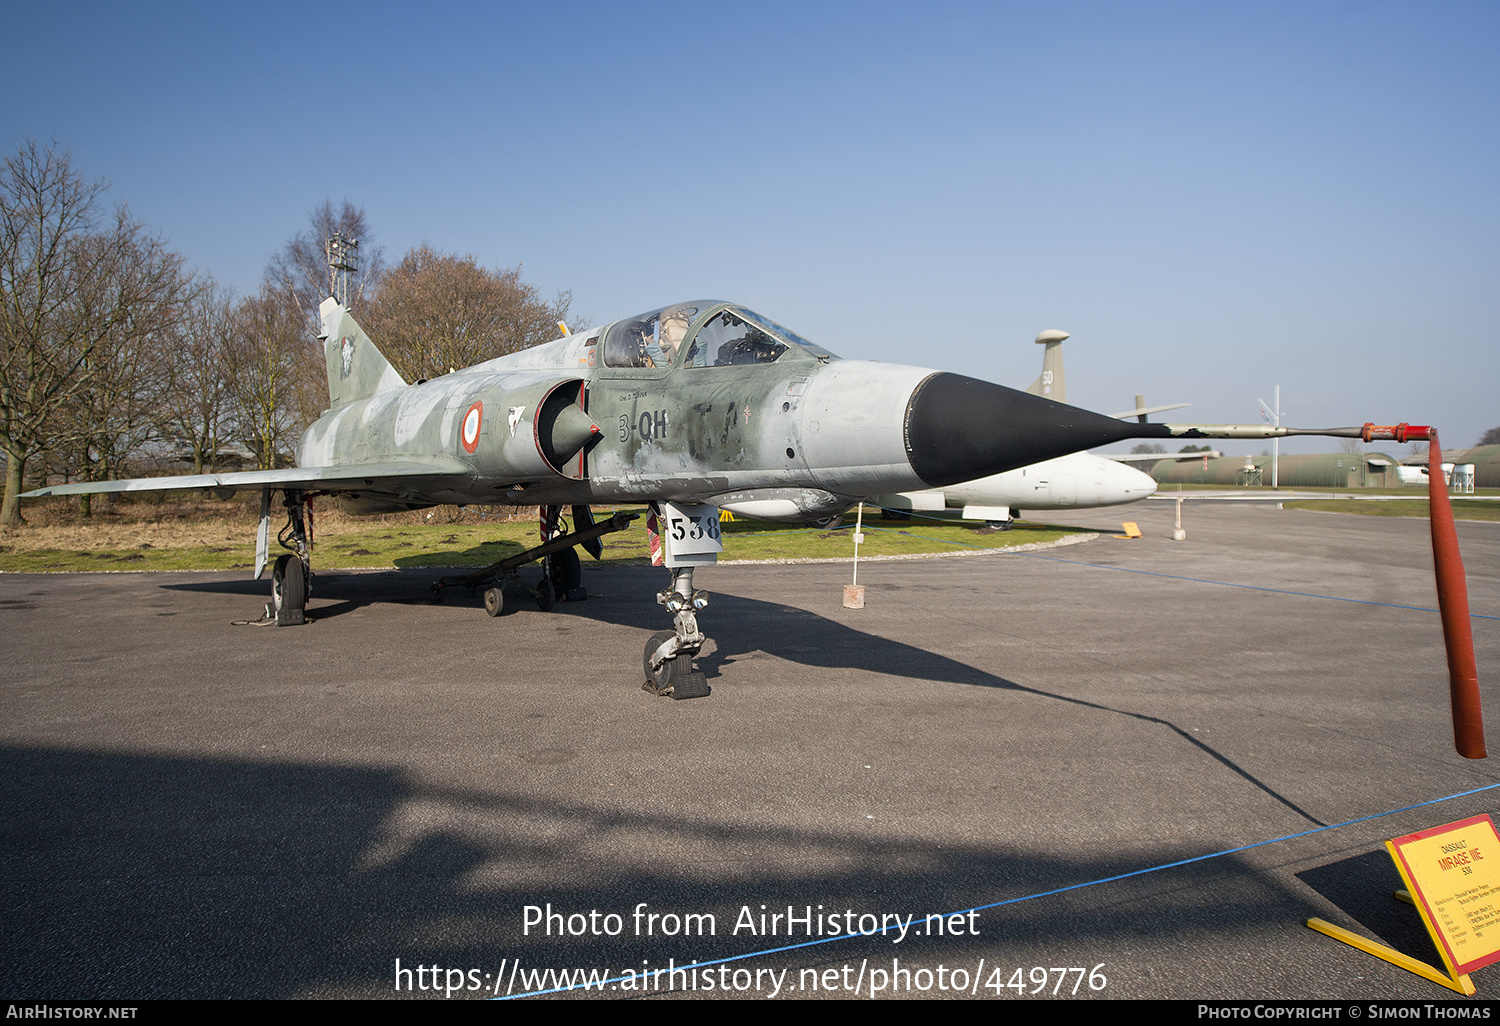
(469, 432)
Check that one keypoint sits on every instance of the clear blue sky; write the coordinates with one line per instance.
(1214, 198)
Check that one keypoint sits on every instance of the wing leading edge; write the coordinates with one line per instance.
(395, 477)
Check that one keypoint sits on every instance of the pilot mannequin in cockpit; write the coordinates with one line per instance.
(670, 331)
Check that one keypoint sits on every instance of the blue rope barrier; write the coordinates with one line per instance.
(1039, 894)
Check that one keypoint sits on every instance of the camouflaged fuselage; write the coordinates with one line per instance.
(802, 434)
(698, 402)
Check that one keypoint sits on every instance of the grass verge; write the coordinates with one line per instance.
(1463, 509)
(347, 543)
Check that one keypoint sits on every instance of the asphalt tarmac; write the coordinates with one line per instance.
(195, 808)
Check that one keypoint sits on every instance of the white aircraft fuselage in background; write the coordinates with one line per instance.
(1075, 481)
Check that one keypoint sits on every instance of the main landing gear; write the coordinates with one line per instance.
(291, 574)
(562, 571)
(1000, 525)
(669, 655)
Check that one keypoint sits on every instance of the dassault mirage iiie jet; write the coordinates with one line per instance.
(694, 408)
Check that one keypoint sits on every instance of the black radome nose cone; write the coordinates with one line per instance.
(959, 428)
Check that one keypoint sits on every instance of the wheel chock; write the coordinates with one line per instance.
(691, 685)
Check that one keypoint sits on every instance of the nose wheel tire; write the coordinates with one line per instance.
(675, 677)
(659, 681)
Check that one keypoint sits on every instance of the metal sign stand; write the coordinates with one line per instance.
(1452, 876)
(854, 592)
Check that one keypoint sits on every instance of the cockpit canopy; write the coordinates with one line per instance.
(701, 334)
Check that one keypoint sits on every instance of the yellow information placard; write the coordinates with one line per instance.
(1453, 875)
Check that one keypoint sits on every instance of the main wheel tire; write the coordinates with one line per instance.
(288, 591)
(546, 596)
(494, 600)
(278, 586)
(565, 571)
(661, 678)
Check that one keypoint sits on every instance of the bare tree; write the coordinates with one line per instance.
(436, 311)
(199, 403)
(1490, 437)
(300, 270)
(79, 290)
(301, 267)
(265, 353)
(119, 416)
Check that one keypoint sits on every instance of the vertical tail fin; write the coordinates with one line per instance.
(1051, 385)
(356, 369)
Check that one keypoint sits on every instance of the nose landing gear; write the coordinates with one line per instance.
(669, 654)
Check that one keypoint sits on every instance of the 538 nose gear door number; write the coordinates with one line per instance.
(691, 534)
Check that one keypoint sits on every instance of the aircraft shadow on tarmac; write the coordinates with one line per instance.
(739, 627)
(153, 877)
